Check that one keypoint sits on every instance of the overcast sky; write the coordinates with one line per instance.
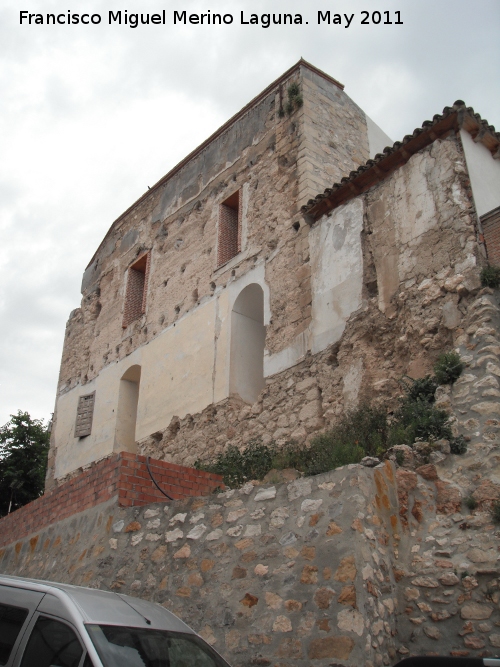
(92, 115)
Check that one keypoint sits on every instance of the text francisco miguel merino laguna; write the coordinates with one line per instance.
(133, 20)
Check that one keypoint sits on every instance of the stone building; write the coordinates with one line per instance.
(232, 302)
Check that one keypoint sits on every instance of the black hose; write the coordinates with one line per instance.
(154, 480)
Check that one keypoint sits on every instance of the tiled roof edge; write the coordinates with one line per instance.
(376, 169)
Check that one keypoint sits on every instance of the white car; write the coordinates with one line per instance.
(45, 624)
(436, 661)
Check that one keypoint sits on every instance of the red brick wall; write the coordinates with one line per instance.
(491, 230)
(124, 475)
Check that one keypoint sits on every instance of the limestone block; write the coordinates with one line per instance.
(350, 620)
(311, 506)
(432, 632)
(486, 408)
(452, 283)
(475, 612)
(451, 315)
(310, 410)
(282, 624)
(425, 582)
(265, 494)
(174, 535)
(299, 488)
(330, 647)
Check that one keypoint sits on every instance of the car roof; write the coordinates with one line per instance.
(102, 607)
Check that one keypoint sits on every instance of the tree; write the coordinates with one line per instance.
(24, 447)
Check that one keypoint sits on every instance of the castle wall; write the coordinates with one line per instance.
(182, 342)
(392, 276)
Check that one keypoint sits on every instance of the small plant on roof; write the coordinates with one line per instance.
(490, 276)
(295, 100)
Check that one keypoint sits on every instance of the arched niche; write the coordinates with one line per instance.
(248, 337)
(126, 418)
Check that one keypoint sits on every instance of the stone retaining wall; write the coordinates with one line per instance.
(282, 575)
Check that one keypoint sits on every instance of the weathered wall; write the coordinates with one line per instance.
(393, 273)
(284, 574)
(335, 136)
(186, 330)
(451, 593)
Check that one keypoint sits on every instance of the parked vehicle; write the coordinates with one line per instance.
(46, 624)
(434, 661)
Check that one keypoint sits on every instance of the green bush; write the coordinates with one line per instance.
(420, 389)
(470, 502)
(418, 419)
(458, 445)
(293, 90)
(400, 457)
(238, 467)
(328, 452)
(490, 276)
(365, 426)
(359, 433)
(448, 367)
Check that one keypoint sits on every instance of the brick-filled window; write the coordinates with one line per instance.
(229, 240)
(490, 223)
(137, 287)
(84, 415)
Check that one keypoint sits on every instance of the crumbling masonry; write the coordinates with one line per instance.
(226, 304)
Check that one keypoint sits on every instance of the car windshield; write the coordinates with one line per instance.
(118, 646)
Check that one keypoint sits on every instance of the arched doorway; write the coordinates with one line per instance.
(128, 397)
(248, 337)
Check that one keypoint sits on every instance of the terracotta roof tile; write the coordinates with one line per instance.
(376, 169)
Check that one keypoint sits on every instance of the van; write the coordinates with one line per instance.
(46, 624)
